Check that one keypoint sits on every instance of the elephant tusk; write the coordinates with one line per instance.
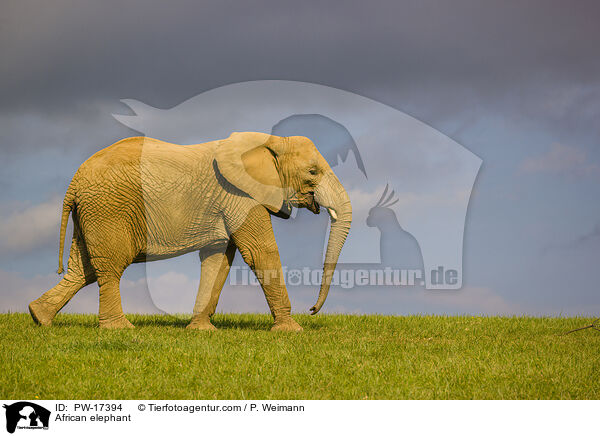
(332, 213)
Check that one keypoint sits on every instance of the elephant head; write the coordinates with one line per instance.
(284, 172)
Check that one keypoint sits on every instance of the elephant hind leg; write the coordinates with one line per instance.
(111, 311)
(109, 269)
(79, 274)
(111, 248)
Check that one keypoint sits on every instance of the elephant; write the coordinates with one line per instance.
(142, 199)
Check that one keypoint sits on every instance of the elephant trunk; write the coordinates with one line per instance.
(331, 194)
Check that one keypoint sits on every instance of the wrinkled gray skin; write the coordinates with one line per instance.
(142, 199)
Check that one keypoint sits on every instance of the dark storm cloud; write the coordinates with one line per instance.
(57, 52)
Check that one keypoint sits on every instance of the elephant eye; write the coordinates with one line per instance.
(313, 171)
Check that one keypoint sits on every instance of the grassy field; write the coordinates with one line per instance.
(336, 357)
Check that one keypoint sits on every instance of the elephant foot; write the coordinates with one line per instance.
(119, 322)
(41, 313)
(286, 325)
(200, 324)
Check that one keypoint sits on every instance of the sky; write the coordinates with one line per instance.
(515, 83)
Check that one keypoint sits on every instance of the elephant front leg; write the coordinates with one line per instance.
(214, 270)
(256, 242)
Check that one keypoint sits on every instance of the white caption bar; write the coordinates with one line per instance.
(301, 417)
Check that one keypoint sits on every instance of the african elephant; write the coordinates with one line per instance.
(142, 199)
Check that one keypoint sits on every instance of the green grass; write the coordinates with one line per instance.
(336, 357)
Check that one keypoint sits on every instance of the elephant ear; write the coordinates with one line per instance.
(248, 161)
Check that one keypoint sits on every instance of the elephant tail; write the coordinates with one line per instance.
(68, 204)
